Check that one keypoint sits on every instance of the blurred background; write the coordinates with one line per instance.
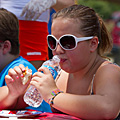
(109, 10)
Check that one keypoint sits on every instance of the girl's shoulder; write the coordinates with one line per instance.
(109, 63)
(108, 66)
(107, 72)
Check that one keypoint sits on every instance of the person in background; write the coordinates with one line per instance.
(33, 18)
(116, 42)
(9, 50)
(9, 58)
(12, 93)
(89, 85)
(34, 10)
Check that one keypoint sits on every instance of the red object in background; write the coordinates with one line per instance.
(116, 15)
(116, 33)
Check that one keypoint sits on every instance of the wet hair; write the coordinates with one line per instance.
(90, 24)
(9, 30)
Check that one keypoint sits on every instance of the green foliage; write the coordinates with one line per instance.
(103, 8)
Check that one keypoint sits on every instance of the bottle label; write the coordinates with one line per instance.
(52, 70)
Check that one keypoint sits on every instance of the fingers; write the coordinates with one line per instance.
(8, 79)
(14, 80)
(18, 70)
(22, 67)
(38, 74)
(40, 78)
(44, 70)
(13, 74)
(36, 82)
(16, 73)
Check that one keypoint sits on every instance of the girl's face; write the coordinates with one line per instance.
(70, 60)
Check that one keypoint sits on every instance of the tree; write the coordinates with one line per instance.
(102, 7)
(113, 1)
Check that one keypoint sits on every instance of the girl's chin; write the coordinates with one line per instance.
(65, 68)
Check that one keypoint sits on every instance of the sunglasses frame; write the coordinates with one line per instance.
(76, 40)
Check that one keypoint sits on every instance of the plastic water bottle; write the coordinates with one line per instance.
(32, 97)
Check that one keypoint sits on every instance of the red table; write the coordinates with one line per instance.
(34, 115)
(56, 116)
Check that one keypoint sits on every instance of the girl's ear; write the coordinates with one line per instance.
(6, 47)
(94, 44)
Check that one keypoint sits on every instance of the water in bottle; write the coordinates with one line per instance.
(32, 97)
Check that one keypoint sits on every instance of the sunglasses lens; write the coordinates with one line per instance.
(51, 42)
(68, 42)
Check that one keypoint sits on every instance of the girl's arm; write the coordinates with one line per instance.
(104, 104)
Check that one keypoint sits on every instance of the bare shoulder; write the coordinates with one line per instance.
(107, 78)
(108, 70)
(107, 85)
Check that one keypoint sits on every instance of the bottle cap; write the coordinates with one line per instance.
(56, 58)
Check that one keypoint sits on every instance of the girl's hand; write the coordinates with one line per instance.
(44, 82)
(14, 81)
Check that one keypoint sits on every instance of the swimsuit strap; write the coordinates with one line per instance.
(91, 91)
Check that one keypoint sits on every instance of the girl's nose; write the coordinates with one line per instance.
(59, 49)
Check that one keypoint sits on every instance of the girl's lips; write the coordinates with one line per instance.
(62, 60)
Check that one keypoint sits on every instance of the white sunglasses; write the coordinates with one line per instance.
(67, 42)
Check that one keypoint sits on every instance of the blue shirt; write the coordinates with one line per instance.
(20, 60)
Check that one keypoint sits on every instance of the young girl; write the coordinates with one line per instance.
(89, 85)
